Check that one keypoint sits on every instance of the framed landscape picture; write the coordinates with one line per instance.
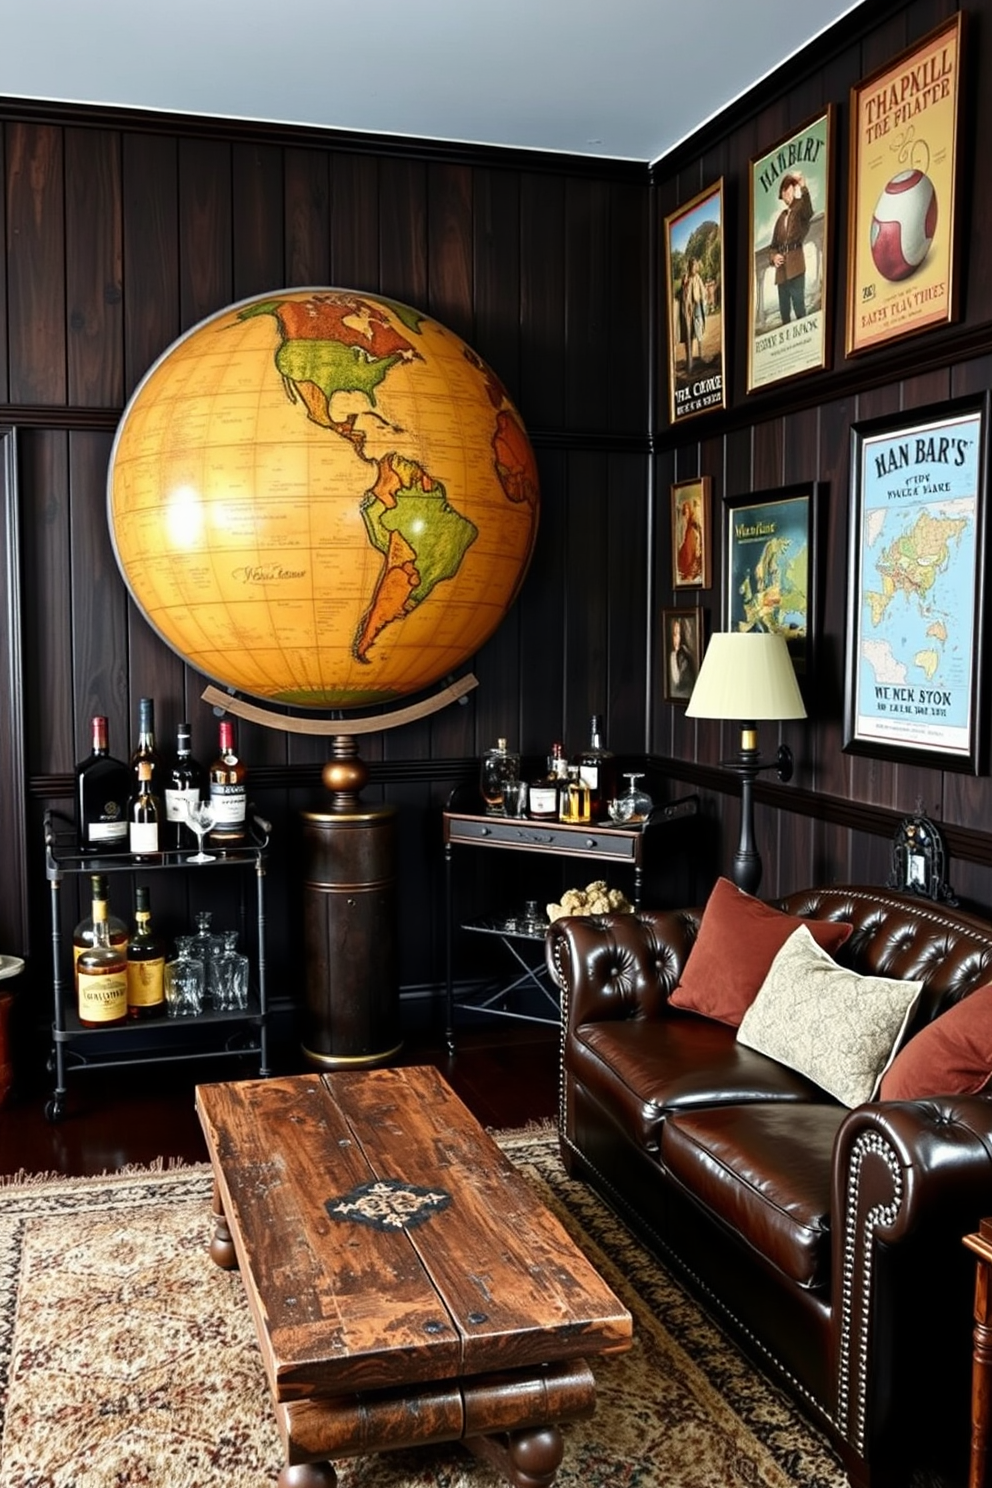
(682, 653)
(770, 549)
(692, 544)
(789, 252)
(695, 320)
(901, 241)
(916, 582)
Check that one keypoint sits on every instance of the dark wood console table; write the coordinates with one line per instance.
(596, 842)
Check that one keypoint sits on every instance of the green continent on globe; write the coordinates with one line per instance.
(407, 515)
(421, 536)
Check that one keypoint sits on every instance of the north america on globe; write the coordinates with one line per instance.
(323, 498)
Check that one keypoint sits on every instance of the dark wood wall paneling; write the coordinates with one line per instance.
(800, 431)
(121, 232)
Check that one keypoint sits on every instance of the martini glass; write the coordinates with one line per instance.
(201, 816)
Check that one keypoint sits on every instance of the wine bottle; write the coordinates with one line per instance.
(145, 748)
(597, 767)
(228, 791)
(83, 935)
(145, 964)
(144, 814)
(187, 781)
(101, 970)
(102, 788)
(543, 794)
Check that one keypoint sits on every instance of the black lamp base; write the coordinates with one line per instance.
(746, 872)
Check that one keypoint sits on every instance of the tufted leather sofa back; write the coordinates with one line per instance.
(900, 935)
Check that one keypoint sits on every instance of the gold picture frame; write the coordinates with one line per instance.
(902, 232)
(790, 203)
(694, 286)
(692, 542)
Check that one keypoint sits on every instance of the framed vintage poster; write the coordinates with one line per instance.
(789, 252)
(770, 549)
(682, 653)
(916, 581)
(901, 241)
(692, 544)
(694, 291)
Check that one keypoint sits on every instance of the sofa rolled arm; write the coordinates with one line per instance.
(618, 965)
(903, 1170)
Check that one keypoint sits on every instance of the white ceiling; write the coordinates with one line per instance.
(621, 78)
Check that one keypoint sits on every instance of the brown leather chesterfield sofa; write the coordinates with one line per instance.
(827, 1238)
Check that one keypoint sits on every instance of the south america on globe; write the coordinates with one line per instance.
(322, 498)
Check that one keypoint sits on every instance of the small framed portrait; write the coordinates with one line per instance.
(695, 294)
(691, 543)
(789, 252)
(901, 231)
(682, 647)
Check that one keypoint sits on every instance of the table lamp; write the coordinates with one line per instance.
(748, 675)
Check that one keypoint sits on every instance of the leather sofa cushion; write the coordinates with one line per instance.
(641, 1069)
(764, 1171)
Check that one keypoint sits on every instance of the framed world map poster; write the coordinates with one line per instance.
(693, 287)
(916, 582)
(771, 567)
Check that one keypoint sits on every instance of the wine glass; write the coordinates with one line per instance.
(201, 815)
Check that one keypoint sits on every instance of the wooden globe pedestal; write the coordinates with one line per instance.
(349, 922)
(351, 993)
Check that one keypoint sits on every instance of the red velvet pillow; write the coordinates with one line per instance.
(950, 1056)
(738, 940)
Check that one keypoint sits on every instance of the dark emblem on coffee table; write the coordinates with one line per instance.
(389, 1204)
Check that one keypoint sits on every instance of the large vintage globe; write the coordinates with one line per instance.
(322, 498)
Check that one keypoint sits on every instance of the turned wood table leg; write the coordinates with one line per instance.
(307, 1475)
(222, 1251)
(528, 1459)
(981, 1378)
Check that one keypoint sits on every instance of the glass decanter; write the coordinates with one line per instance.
(230, 976)
(185, 980)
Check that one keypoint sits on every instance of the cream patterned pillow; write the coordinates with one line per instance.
(833, 1026)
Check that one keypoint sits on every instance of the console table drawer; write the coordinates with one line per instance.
(581, 841)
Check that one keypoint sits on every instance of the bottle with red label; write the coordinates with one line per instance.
(228, 791)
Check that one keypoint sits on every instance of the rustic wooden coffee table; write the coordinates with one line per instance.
(406, 1284)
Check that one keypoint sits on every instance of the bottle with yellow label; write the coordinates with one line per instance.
(101, 971)
(82, 935)
(145, 964)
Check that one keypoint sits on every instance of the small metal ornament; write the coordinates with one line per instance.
(918, 859)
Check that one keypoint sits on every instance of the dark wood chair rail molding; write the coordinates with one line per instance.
(856, 816)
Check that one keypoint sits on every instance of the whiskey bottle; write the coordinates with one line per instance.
(187, 781)
(145, 964)
(575, 806)
(543, 793)
(101, 971)
(144, 814)
(597, 767)
(145, 748)
(102, 788)
(83, 935)
(228, 791)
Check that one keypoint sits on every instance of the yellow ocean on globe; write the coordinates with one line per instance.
(322, 498)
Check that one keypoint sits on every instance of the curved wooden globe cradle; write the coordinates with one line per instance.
(349, 889)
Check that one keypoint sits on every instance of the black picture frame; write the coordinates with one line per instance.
(682, 653)
(770, 544)
(915, 676)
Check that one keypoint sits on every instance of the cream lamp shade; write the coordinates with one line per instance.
(746, 675)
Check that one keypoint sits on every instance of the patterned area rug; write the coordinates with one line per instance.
(127, 1358)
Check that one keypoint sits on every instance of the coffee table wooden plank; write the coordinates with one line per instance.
(337, 1307)
(516, 1286)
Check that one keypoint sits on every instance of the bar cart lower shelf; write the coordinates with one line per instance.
(210, 1034)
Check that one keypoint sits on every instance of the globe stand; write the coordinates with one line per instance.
(349, 890)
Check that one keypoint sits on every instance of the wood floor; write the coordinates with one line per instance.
(506, 1074)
